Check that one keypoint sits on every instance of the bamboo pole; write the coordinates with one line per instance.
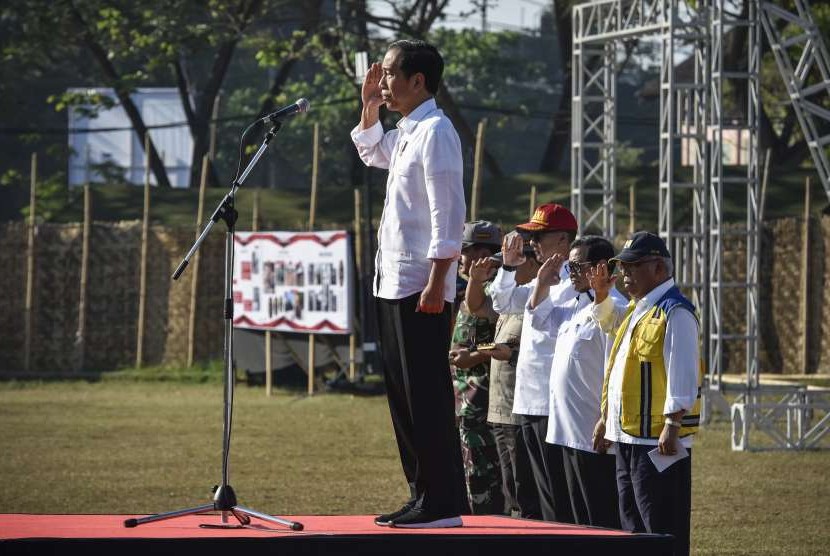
(194, 272)
(268, 364)
(358, 227)
(214, 115)
(80, 335)
(632, 208)
(358, 253)
(478, 169)
(805, 282)
(312, 213)
(142, 281)
(532, 200)
(315, 163)
(30, 269)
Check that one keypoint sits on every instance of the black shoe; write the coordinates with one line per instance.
(419, 518)
(386, 519)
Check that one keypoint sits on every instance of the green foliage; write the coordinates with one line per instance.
(493, 70)
(52, 197)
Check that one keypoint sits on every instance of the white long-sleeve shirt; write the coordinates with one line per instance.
(536, 347)
(424, 210)
(680, 352)
(577, 369)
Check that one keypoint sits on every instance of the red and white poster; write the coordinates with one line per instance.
(293, 281)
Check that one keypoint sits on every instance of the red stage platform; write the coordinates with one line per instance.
(105, 534)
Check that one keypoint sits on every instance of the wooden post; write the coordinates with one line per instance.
(80, 335)
(312, 213)
(358, 228)
(478, 169)
(805, 283)
(194, 272)
(315, 162)
(358, 253)
(30, 269)
(532, 200)
(142, 280)
(632, 208)
(268, 364)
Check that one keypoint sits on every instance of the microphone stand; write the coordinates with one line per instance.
(224, 498)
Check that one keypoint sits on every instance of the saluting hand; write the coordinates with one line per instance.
(370, 93)
(548, 274)
(512, 247)
(481, 270)
(601, 281)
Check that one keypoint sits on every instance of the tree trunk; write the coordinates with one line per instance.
(114, 80)
(559, 137)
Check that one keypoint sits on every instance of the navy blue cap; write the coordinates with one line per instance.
(642, 245)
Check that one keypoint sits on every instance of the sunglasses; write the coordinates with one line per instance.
(627, 267)
(577, 268)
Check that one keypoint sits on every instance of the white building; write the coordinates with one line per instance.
(109, 137)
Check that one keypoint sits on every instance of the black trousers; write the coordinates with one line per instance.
(414, 348)
(592, 487)
(518, 484)
(653, 502)
(548, 470)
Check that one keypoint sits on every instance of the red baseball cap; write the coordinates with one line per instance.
(550, 217)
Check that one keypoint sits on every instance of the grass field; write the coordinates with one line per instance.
(132, 447)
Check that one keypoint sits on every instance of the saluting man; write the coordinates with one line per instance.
(651, 392)
(419, 242)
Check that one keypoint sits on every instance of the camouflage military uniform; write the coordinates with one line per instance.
(478, 446)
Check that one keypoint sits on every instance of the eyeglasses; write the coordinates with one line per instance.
(576, 267)
(628, 267)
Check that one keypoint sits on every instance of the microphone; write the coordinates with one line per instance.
(298, 107)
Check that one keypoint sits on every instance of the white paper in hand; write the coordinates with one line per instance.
(662, 462)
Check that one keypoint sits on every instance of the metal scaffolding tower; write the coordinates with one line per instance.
(598, 27)
(691, 212)
(808, 46)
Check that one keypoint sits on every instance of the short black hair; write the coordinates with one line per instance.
(597, 249)
(418, 56)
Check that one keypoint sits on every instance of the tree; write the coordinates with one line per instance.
(150, 42)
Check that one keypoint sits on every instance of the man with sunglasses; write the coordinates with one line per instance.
(576, 377)
(651, 391)
(549, 232)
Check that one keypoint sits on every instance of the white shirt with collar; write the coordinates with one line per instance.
(424, 210)
(680, 352)
(536, 347)
(577, 369)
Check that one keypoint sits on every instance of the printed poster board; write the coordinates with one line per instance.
(293, 282)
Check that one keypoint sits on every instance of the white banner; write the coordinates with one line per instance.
(293, 281)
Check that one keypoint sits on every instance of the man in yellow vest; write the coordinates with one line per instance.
(650, 403)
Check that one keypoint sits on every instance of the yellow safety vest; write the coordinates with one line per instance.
(644, 377)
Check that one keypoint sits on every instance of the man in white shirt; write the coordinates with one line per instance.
(576, 377)
(419, 241)
(550, 231)
(651, 392)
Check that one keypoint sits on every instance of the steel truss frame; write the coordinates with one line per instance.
(694, 111)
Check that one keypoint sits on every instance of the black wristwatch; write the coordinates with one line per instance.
(509, 268)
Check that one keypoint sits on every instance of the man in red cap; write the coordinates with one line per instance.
(550, 233)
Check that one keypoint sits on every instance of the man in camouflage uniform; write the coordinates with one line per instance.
(470, 370)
